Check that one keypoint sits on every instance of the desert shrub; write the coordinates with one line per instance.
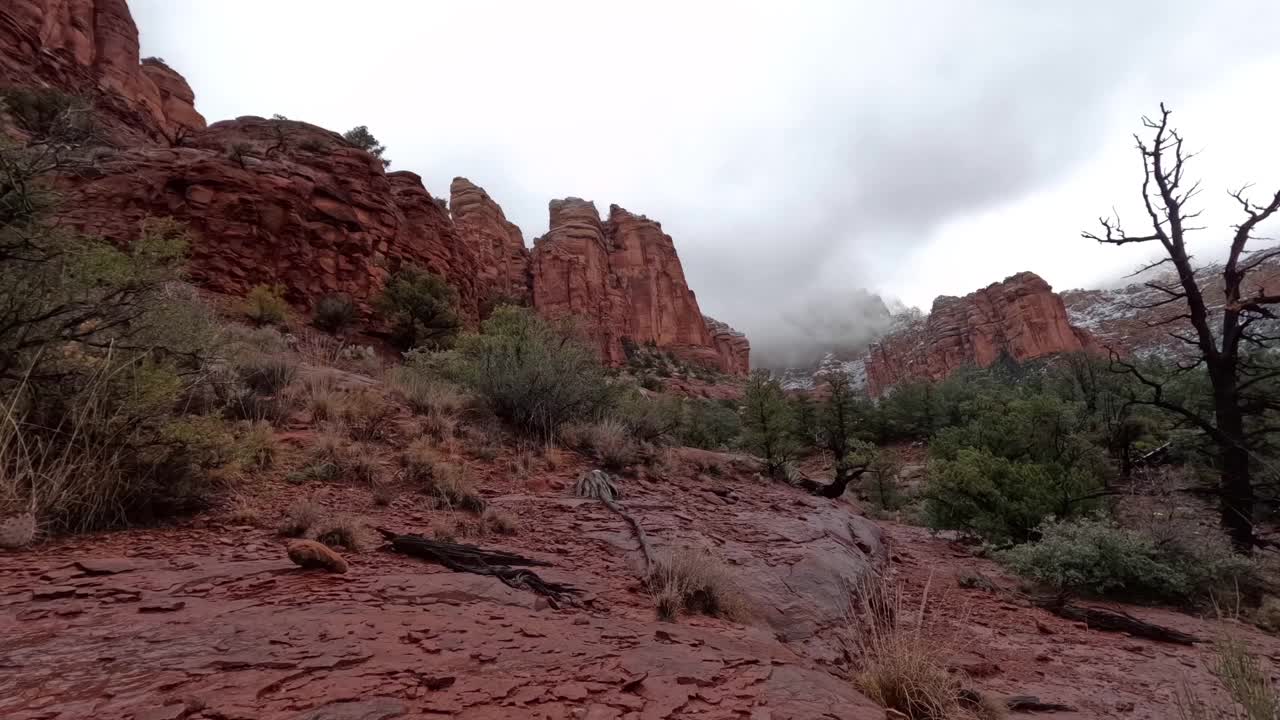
(428, 395)
(301, 517)
(649, 418)
(498, 522)
(315, 470)
(696, 582)
(530, 373)
(322, 397)
(334, 313)
(451, 489)
(709, 424)
(243, 509)
(880, 484)
(1015, 462)
(258, 445)
(767, 423)
(1101, 558)
(265, 305)
(47, 113)
(608, 440)
(263, 392)
(341, 531)
(421, 309)
(367, 415)
(362, 465)
(360, 137)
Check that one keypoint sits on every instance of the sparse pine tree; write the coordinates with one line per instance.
(767, 422)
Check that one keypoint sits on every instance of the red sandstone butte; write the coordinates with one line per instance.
(1021, 318)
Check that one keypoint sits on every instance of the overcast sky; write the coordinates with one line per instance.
(798, 152)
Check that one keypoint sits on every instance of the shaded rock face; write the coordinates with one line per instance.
(277, 201)
(90, 47)
(622, 282)
(1020, 318)
(503, 259)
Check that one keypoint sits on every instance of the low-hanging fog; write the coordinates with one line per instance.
(809, 158)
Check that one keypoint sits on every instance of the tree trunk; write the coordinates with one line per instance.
(1237, 498)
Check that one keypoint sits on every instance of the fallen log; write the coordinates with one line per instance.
(507, 567)
(639, 531)
(1110, 621)
(1030, 703)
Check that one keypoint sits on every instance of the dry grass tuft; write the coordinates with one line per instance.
(445, 482)
(258, 445)
(367, 416)
(903, 661)
(693, 581)
(342, 531)
(301, 517)
(243, 510)
(499, 522)
(362, 465)
(609, 440)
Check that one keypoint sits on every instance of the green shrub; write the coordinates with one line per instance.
(363, 139)
(1101, 558)
(768, 426)
(334, 313)
(529, 373)
(265, 305)
(609, 440)
(420, 307)
(1016, 462)
(46, 113)
(709, 424)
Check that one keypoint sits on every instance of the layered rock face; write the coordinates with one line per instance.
(286, 203)
(1020, 318)
(90, 47)
(277, 201)
(621, 281)
(503, 259)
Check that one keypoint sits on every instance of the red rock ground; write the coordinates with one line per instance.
(208, 619)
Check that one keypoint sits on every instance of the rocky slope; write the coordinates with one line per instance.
(1119, 318)
(287, 203)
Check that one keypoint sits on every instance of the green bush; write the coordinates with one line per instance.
(529, 373)
(768, 426)
(334, 313)
(709, 424)
(1015, 462)
(265, 305)
(46, 113)
(363, 139)
(1101, 558)
(420, 306)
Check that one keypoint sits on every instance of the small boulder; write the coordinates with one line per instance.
(311, 555)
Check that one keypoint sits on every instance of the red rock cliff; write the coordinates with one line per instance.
(277, 201)
(1020, 317)
(621, 281)
(501, 254)
(90, 47)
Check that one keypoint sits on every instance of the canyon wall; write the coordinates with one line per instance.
(1020, 318)
(90, 48)
(286, 203)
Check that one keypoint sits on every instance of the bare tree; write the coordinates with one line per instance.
(1239, 379)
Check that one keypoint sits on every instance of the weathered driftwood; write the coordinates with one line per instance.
(599, 485)
(1110, 621)
(507, 567)
(639, 531)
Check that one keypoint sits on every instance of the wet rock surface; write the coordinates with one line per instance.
(213, 621)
